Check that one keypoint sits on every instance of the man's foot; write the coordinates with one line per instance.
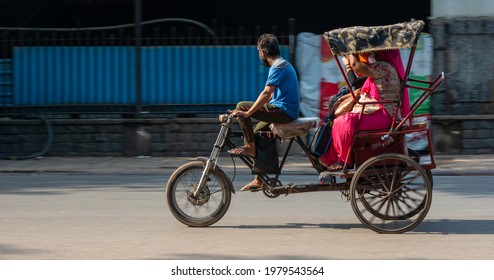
(244, 151)
(252, 186)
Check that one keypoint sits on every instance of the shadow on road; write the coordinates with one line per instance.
(443, 226)
(294, 225)
(446, 226)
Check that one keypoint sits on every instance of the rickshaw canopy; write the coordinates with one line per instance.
(361, 39)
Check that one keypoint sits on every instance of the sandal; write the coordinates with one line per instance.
(240, 152)
(336, 166)
(251, 187)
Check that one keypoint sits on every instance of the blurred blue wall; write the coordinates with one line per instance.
(106, 75)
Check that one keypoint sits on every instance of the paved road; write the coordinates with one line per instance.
(98, 216)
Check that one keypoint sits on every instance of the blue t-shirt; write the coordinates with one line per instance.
(286, 96)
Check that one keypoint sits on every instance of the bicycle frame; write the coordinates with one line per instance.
(272, 183)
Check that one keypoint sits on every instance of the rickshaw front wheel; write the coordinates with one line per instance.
(206, 207)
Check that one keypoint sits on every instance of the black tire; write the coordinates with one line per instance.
(202, 211)
(390, 193)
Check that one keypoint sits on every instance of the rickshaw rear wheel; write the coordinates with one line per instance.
(390, 193)
(208, 206)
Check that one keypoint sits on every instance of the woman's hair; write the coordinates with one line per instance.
(268, 43)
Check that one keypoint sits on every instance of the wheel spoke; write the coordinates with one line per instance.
(378, 175)
(399, 212)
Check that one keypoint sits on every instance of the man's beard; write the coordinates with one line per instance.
(265, 62)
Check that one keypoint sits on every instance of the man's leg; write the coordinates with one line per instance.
(249, 148)
(269, 114)
(246, 123)
(266, 115)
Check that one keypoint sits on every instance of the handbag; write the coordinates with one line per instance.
(369, 108)
(322, 138)
(344, 105)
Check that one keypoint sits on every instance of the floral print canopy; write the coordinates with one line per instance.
(360, 39)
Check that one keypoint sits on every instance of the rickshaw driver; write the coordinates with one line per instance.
(279, 102)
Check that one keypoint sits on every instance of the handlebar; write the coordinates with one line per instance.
(225, 117)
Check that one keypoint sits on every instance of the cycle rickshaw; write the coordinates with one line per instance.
(389, 186)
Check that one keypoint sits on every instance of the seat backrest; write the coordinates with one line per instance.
(427, 87)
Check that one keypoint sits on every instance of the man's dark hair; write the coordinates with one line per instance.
(268, 43)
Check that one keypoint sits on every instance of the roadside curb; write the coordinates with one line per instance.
(447, 165)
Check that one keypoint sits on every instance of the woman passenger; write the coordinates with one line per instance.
(385, 73)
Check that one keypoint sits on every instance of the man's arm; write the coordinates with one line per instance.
(262, 99)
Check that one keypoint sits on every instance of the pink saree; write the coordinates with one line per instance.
(345, 126)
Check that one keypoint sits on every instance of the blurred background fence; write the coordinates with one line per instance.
(174, 68)
(188, 69)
